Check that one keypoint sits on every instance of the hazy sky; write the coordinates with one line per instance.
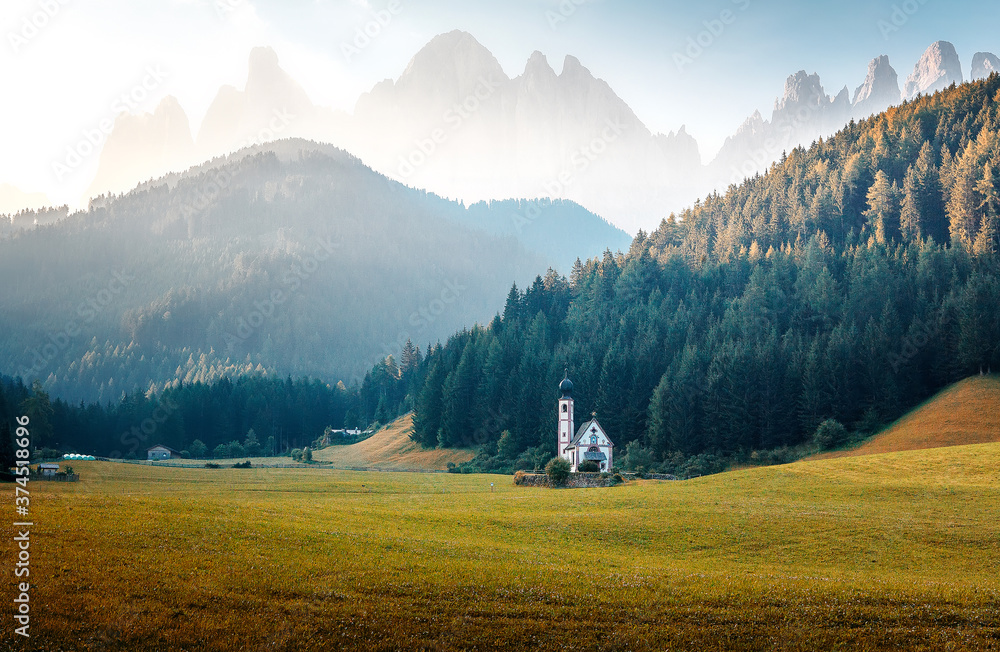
(62, 80)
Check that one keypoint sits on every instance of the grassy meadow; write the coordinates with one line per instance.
(897, 551)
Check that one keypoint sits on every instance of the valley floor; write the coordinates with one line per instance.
(894, 551)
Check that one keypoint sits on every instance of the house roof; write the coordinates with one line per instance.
(585, 428)
(163, 447)
(48, 466)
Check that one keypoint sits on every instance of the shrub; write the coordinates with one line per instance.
(212, 465)
(307, 454)
(830, 434)
(558, 471)
(637, 457)
(242, 465)
(453, 468)
(198, 449)
(236, 449)
(297, 454)
(588, 466)
(617, 479)
(508, 447)
(186, 455)
(47, 454)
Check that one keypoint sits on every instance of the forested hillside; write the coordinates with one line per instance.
(290, 258)
(849, 282)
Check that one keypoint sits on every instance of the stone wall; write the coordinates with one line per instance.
(575, 481)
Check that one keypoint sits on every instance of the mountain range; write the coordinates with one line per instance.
(456, 124)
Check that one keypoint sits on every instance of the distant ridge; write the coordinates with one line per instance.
(965, 413)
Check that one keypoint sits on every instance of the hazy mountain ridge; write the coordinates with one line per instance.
(296, 261)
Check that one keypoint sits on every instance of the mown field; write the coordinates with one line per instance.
(899, 551)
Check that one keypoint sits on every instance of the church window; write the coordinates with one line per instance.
(593, 439)
(565, 408)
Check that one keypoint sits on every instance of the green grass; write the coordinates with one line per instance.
(883, 552)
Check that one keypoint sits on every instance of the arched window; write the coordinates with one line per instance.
(565, 407)
(593, 439)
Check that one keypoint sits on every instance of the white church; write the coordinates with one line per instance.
(589, 443)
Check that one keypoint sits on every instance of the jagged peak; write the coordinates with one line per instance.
(538, 63)
(938, 67)
(573, 68)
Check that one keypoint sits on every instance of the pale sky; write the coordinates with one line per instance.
(62, 79)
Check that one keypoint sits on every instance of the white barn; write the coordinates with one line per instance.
(589, 443)
(161, 452)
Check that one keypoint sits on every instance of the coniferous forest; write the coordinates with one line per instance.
(849, 283)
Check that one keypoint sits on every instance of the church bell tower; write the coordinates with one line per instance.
(565, 418)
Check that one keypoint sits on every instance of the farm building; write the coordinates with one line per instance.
(161, 452)
(48, 469)
(589, 444)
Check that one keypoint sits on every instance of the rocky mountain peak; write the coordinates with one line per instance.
(984, 64)
(880, 89)
(938, 68)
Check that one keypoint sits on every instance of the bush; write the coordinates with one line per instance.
(198, 449)
(297, 454)
(242, 465)
(307, 454)
(617, 479)
(588, 466)
(636, 457)
(508, 447)
(186, 455)
(453, 468)
(221, 452)
(212, 465)
(558, 471)
(47, 454)
(830, 434)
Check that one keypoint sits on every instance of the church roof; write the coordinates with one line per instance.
(584, 429)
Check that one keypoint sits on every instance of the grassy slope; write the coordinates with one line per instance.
(968, 412)
(392, 449)
(894, 551)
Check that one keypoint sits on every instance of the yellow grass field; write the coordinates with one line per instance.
(392, 449)
(968, 412)
(885, 552)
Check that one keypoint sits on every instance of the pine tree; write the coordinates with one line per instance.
(910, 218)
(883, 208)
